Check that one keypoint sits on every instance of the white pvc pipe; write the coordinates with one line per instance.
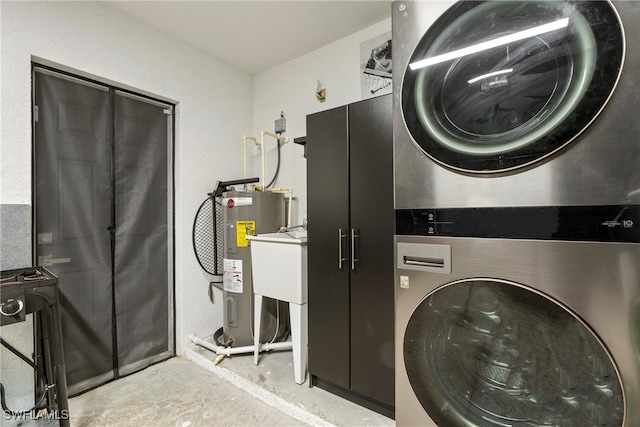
(264, 183)
(282, 138)
(244, 154)
(228, 351)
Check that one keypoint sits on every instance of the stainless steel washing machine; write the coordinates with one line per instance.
(516, 103)
(517, 195)
(526, 331)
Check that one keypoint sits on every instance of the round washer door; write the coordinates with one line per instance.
(482, 352)
(497, 85)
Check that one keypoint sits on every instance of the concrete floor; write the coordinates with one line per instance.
(177, 393)
(191, 391)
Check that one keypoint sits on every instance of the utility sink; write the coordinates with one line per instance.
(279, 265)
(279, 270)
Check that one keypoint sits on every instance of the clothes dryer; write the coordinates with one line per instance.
(516, 103)
(517, 195)
(538, 330)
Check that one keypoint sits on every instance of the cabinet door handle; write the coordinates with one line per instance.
(341, 236)
(354, 235)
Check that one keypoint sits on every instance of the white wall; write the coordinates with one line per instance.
(216, 104)
(214, 108)
(291, 87)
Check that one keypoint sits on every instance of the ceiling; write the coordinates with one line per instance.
(256, 35)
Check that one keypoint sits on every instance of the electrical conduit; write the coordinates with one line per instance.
(279, 138)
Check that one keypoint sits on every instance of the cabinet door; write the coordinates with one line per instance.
(328, 215)
(372, 222)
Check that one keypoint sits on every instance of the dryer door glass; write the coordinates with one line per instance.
(497, 85)
(490, 352)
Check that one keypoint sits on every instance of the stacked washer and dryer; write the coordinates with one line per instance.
(517, 195)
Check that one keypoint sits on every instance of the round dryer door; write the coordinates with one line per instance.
(495, 353)
(498, 85)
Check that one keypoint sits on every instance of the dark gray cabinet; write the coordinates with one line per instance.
(350, 252)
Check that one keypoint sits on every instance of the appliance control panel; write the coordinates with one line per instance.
(619, 223)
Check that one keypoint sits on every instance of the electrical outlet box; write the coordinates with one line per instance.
(281, 125)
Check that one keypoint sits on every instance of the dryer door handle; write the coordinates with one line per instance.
(425, 257)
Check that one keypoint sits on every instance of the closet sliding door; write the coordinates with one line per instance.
(103, 223)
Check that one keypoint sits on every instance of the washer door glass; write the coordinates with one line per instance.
(490, 352)
(497, 85)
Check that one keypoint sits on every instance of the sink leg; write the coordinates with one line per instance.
(299, 321)
(257, 317)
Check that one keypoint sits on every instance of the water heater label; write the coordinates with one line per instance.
(244, 229)
(232, 275)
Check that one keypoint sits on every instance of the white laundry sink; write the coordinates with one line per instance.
(279, 270)
(279, 265)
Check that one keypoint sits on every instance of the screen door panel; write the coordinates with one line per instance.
(103, 223)
(142, 231)
(73, 213)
